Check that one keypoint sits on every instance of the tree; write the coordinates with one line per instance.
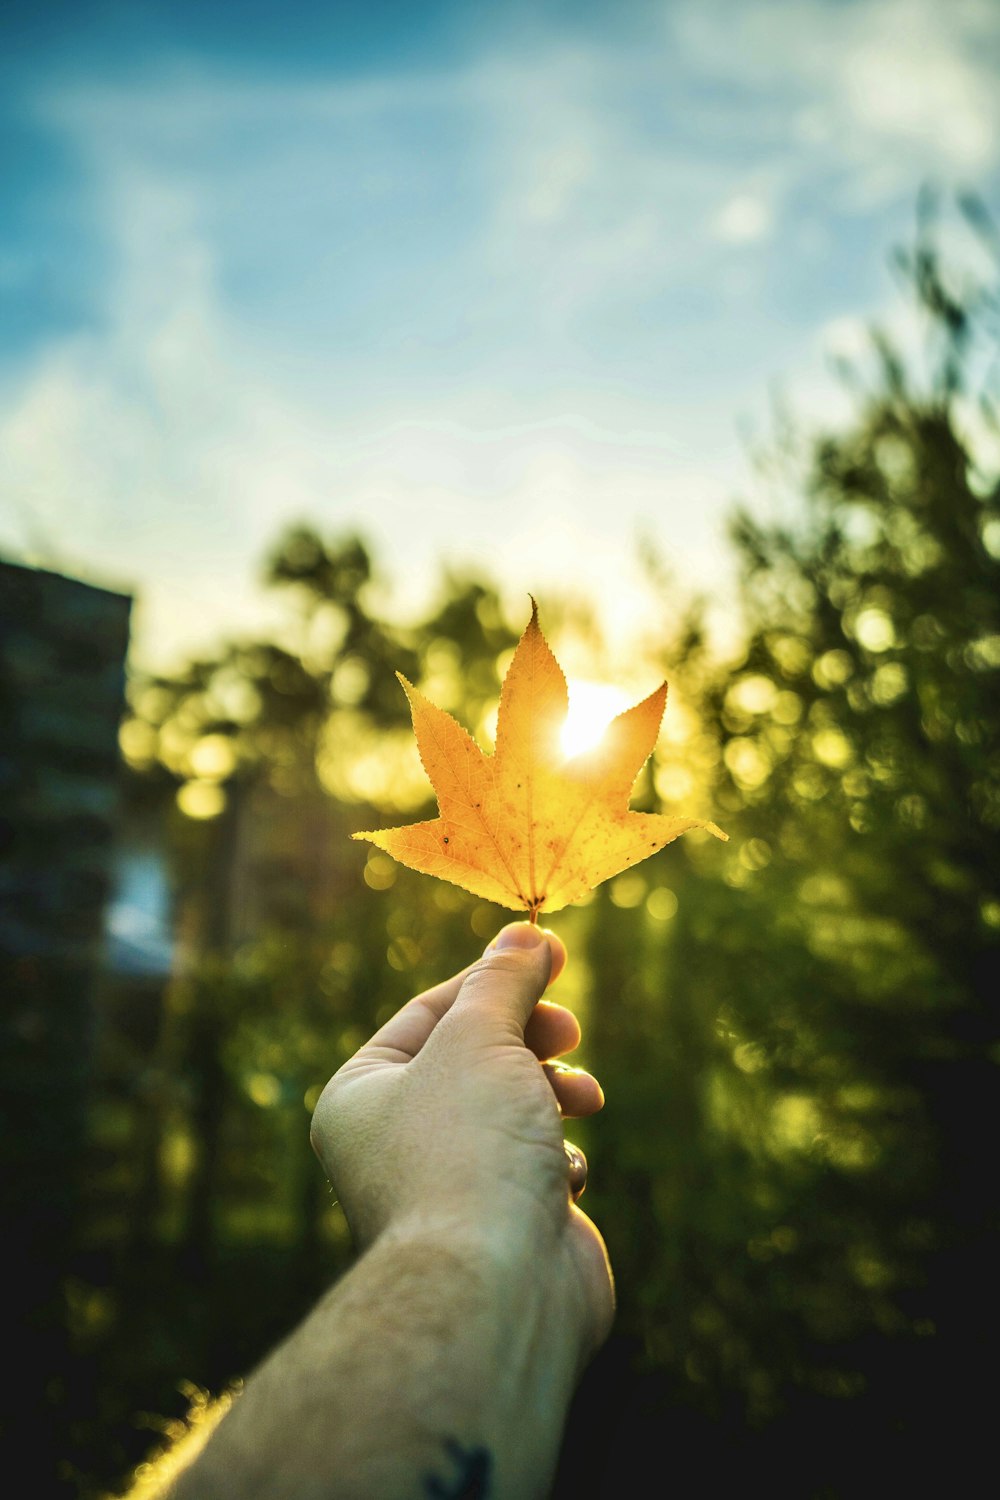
(805, 1099)
(253, 766)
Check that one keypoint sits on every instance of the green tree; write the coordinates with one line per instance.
(251, 769)
(802, 1106)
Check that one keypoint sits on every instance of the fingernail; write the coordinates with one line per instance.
(518, 935)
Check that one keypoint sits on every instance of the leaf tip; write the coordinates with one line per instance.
(412, 694)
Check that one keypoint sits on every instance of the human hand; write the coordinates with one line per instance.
(445, 1123)
(446, 1357)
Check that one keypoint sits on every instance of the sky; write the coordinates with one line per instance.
(503, 287)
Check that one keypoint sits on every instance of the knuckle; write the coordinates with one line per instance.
(509, 961)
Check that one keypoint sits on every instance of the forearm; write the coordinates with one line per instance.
(430, 1369)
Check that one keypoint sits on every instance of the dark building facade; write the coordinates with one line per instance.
(63, 645)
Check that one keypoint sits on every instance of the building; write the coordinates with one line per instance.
(63, 645)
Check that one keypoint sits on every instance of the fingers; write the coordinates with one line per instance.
(553, 1032)
(519, 934)
(577, 1092)
(403, 1035)
(503, 988)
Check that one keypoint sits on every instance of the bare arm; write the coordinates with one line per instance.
(443, 1363)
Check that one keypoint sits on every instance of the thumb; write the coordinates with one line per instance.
(503, 988)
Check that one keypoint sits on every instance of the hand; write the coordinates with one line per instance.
(446, 1123)
(445, 1358)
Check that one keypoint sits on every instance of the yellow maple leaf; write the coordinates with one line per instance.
(524, 827)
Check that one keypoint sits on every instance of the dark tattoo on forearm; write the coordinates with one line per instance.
(474, 1467)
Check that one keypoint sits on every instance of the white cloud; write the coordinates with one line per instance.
(846, 338)
(744, 218)
(917, 76)
(880, 93)
(374, 302)
(159, 452)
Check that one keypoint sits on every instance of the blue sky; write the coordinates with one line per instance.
(501, 286)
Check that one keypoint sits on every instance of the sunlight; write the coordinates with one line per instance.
(592, 706)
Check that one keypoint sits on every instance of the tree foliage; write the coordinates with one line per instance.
(797, 1032)
(807, 1071)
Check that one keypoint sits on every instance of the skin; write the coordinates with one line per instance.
(444, 1361)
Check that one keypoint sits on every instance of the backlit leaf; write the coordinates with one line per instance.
(525, 827)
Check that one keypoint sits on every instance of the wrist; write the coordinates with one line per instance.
(514, 1355)
(551, 1269)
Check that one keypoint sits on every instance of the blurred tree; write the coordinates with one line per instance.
(797, 1032)
(812, 1211)
(291, 944)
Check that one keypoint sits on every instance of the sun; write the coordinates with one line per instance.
(592, 706)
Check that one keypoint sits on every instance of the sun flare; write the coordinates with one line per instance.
(592, 706)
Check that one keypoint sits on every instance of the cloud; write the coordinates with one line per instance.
(161, 450)
(876, 94)
(505, 313)
(145, 448)
(743, 218)
(556, 181)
